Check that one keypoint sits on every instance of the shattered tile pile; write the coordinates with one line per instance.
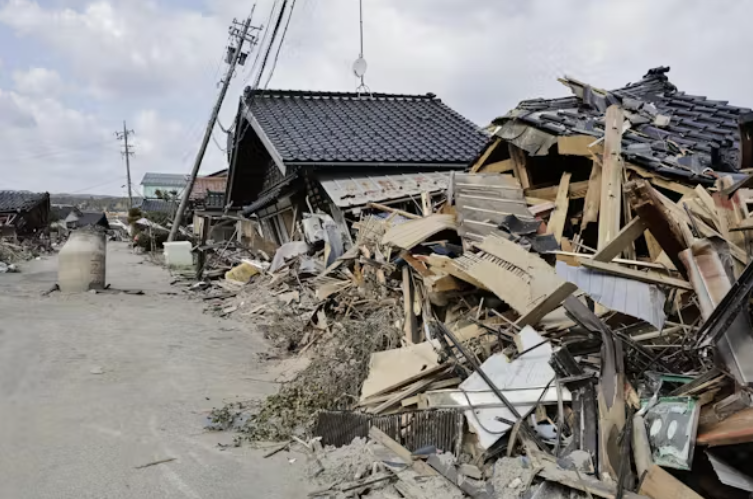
(570, 320)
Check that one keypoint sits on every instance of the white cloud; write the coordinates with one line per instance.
(123, 48)
(38, 81)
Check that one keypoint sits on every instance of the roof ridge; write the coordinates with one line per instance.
(429, 96)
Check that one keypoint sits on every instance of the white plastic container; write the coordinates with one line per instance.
(178, 255)
(82, 262)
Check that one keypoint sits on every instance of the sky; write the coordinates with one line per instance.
(71, 71)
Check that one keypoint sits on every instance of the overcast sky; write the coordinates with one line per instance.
(72, 70)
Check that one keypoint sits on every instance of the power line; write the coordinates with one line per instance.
(263, 44)
(279, 45)
(57, 152)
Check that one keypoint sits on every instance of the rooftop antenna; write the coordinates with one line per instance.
(360, 66)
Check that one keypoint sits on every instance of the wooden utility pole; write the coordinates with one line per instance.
(127, 153)
(241, 35)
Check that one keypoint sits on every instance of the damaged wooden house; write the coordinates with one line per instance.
(23, 213)
(645, 172)
(298, 151)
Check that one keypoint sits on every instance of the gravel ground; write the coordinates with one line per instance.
(93, 386)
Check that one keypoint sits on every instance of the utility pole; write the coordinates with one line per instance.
(241, 35)
(127, 153)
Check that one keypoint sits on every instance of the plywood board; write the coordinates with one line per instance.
(392, 366)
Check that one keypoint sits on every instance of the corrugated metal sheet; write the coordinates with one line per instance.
(351, 191)
(634, 298)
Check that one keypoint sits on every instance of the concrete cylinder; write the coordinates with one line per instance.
(81, 262)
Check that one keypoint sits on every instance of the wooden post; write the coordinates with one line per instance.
(611, 183)
(519, 165)
(593, 196)
(559, 216)
(410, 328)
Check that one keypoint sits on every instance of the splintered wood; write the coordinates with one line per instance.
(521, 279)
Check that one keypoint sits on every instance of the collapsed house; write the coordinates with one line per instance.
(295, 151)
(571, 313)
(23, 213)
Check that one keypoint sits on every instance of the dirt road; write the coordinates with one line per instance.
(67, 432)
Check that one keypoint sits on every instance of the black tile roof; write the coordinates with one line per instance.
(702, 134)
(20, 200)
(92, 218)
(331, 127)
(158, 206)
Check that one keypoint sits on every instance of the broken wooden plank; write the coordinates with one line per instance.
(448, 265)
(421, 467)
(649, 277)
(627, 235)
(559, 216)
(390, 209)
(497, 167)
(410, 325)
(649, 207)
(428, 372)
(520, 165)
(577, 190)
(521, 279)
(612, 175)
(488, 152)
(593, 196)
(658, 180)
(581, 481)
(398, 397)
(659, 484)
(416, 264)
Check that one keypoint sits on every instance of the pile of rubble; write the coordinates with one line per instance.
(589, 338)
(13, 251)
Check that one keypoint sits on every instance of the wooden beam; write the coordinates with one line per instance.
(520, 165)
(389, 209)
(559, 215)
(577, 190)
(654, 248)
(659, 181)
(593, 196)
(647, 204)
(627, 235)
(498, 167)
(489, 150)
(551, 302)
(649, 277)
(421, 467)
(611, 184)
(410, 325)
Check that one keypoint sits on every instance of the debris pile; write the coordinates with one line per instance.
(572, 315)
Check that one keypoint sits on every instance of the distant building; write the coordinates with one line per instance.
(156, 185)
(77, 220)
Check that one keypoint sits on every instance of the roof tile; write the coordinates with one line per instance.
(315, 127)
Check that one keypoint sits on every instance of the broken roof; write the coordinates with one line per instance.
(336, 127)
(670, 131)
(165, 179)
(20, 200)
